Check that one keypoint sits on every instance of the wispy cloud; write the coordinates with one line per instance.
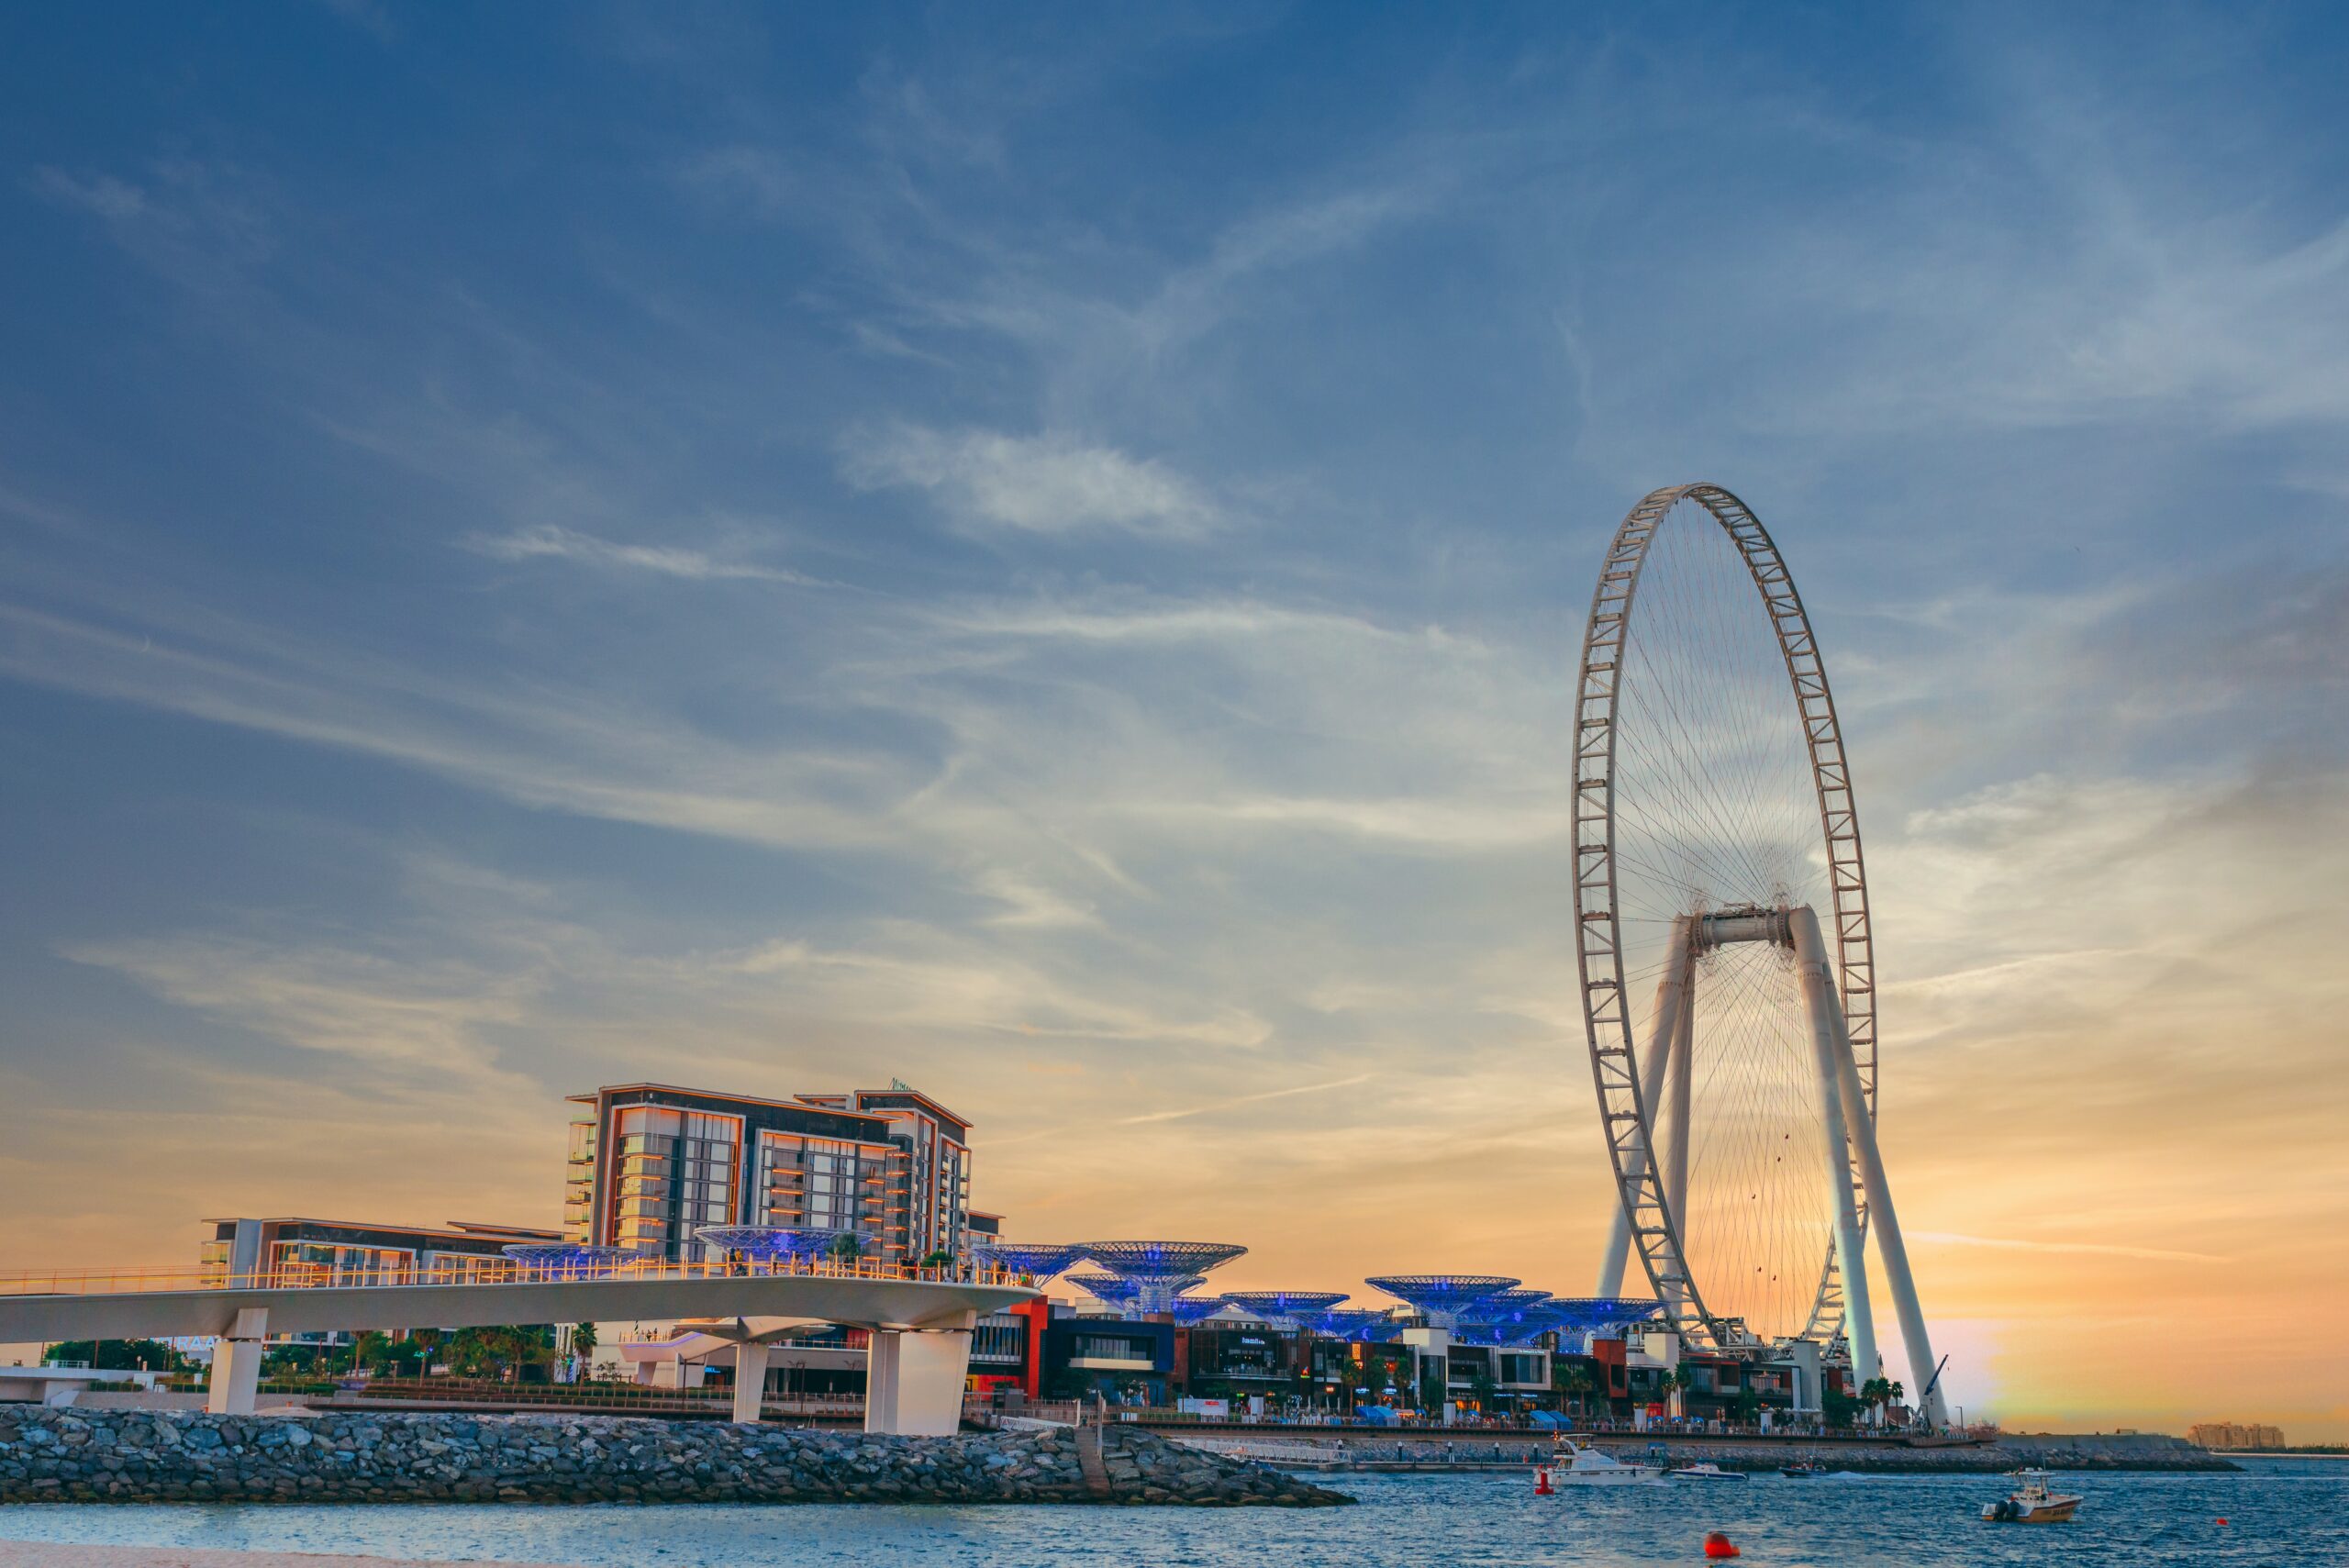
(548, 541)
(1245, 1100)
(1050, 484)
(2083, 1249)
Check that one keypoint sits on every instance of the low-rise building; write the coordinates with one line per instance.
(2222, 1435)
(290, 1250)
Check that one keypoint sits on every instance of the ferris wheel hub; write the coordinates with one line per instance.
(1748, 923)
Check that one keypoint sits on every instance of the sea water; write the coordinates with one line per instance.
(2276, 1511)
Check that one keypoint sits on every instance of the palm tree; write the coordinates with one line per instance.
(1677, 1380)
(847, 1248)
(1574, 1379)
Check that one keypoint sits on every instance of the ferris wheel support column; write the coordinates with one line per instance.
(1826, 1032)
(1888, 1243)
(1677, 1072)
(1671, 994)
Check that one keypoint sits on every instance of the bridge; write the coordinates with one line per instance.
(919, 1320)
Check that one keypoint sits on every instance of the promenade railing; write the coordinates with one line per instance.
(483, 1271)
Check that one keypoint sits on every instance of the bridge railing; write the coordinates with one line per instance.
(483, 1271)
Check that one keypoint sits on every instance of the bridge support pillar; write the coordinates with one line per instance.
(236, 1364)
(750, 1379)
(913, 1378)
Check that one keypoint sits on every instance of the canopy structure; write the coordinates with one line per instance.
(1293, 1307)
(1440, 1298)
(1106, 1287)
(1503, 1306)
(1191, 1310)
(1582, 1313)
(1366, 1325)
(566, 1260)
(1034, 1260)
(1508, 1318)
(766, 1242)
(1156, 1267)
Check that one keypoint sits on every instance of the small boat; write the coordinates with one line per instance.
(1707, 1471)
(1800, 1470)
(1585, 1466)
(2031, 1503)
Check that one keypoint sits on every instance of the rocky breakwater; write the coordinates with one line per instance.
(62, 1455)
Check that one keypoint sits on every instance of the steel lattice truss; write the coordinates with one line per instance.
(1585, 1312)
(1285, 1304)
(1503, 1306)
(1160, 1270)
(1191, 1310)
(1038, 1260)
(1441, 1296)
(1107, 1287)
(1366, 1324)
(1160, 1260)
(1618, 669)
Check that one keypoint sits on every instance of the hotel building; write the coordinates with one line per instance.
(650, 1165)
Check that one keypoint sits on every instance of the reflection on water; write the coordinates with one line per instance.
(2277, 1512)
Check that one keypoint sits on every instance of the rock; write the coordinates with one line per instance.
(445, 1457)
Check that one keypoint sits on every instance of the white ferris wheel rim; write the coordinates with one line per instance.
(1627, 1121)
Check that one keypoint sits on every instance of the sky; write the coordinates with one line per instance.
(1040, 551)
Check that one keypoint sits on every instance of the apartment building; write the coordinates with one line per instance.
(649, 1164)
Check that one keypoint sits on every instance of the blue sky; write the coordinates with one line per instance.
(1042, 552)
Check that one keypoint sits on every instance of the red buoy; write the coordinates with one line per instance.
(1717, 1547)
(2222, 1519)
(1541, 1487)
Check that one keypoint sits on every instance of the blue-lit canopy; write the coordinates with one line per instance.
(1190, 1309)
(1507, 1317)
(1160, 1270)
(1441, 1296)
(773, 1241)
(1161, 1260)
(1365, 1324)
(1282, 1305)
(1038, 1260)
(1107, 1288)
(1581, 1313)
(1504, 1306)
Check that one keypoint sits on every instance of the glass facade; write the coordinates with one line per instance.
(673, 1172)
(824, 1183)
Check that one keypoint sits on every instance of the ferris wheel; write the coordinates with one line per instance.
(1725, 951)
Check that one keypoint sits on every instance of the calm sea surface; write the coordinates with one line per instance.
(2280, 1511)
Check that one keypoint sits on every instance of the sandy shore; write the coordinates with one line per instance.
(52, 1554)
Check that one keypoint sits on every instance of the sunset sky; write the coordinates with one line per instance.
(1042, 552)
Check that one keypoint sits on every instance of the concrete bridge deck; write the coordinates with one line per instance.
(920, 1319)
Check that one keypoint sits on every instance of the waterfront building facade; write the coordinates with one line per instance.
(295, 1250)
(291, 1250)
(649, 1164)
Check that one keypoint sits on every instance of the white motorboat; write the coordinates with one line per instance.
(1706, 1471)
(2031, 1503)
(1576, 1465)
